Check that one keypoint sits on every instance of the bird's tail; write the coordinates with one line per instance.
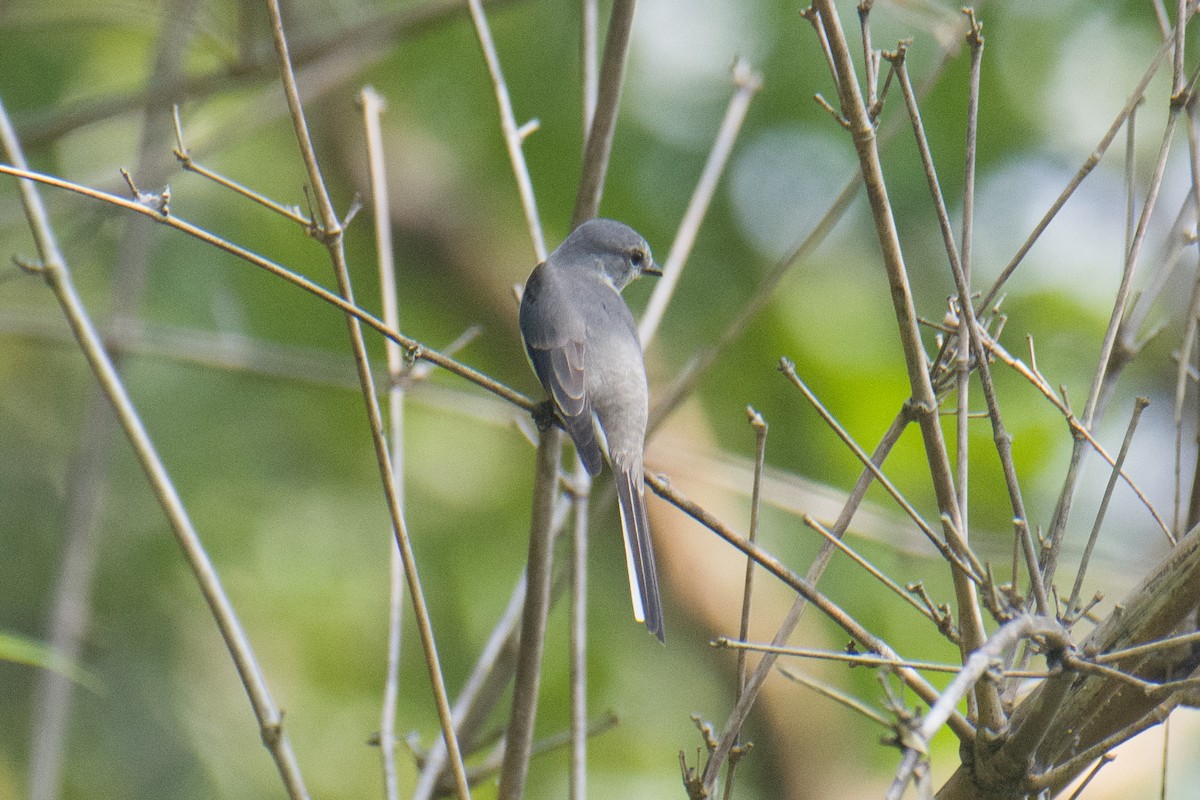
(639, 553)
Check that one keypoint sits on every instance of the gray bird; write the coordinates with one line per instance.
(584, 347)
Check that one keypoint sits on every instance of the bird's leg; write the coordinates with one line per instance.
(544, 416)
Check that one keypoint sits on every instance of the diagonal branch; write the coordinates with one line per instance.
(746, 83)
(58, 277)
(413, 349)
(331, 236)
(514, 135)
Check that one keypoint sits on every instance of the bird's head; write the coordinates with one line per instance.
(616, 249)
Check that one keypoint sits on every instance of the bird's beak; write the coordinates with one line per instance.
(654, 269)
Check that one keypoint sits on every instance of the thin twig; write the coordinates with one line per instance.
(1105, 760)
(57, 275)
(513, 134)
(331, 236)
(184, 157)
(856, 659)
(373, 106)
(871, 59)
(870, 568)
(1144, 649)
(746, 83)
(1177, 90)
(836, 696)
(974, 39)
(813, 15)
(1130, 177)
(1139, 406)
(1166, 756)
(1086, 666)
(580, 502)
(759, 425)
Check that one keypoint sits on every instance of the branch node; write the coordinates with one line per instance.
(528, 128)
(272, 732)
(756, 419)
(31, 267)
(157, 201)
(974, 28)
(180, 151)
(896, 57)
(744, 77)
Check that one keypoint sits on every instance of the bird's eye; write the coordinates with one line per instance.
(636, 257)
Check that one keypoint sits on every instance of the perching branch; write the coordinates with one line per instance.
(414, 349)
(519, 738)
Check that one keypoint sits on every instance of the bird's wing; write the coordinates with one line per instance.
(557, 348)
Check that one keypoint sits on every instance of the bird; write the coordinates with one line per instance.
(583, 345)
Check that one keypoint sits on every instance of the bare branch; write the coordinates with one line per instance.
(924, 400)
(747, 83)
(598, 144)
(1138, 407)
(58, 278)
(331, 237)
(513, 135)
(976, 667)
(373, 106)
